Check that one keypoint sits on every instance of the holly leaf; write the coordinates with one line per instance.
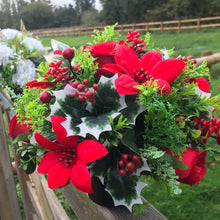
(129, 140)
(122, 188)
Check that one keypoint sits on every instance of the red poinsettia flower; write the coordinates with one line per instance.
(104, 52)
(150, 67)
(67, 158)
(195, 160)
(16, 128)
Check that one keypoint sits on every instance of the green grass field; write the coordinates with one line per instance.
(200, 202)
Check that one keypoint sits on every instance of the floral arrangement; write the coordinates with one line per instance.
(109, 115)
(20, 53)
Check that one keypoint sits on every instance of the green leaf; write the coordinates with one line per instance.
(195, 133)
(129, 140)
(177, 163)
(120, 186)
(22, 137)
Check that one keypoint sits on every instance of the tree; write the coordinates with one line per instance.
(6, 19)
(65, 16)
(37, 15)
(84, 5)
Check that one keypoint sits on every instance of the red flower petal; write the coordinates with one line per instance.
(81, 177)
(47, 161)
(163, 85)
(203, 84)
(114, 68)
(37, 84)
(149, 60)
(103, 48)
(57, 52)
(191, 157)
(47, 144)
(125, 85)
(127, 58)
(90, 150)
(61, 133)
(59, 175)
(168, 70)
(16, 128)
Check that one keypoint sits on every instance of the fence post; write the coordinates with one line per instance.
(198, 24)
(146, 27)
(161, 27)
(179, 26)
(9, 206)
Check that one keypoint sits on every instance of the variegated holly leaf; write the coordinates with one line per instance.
(57, 45)
(134, 108)
(85, 117)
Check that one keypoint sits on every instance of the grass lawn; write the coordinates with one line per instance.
(199, 202)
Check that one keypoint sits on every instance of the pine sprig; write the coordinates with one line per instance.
(108, 34)
(87, 65)
(162, 169)
(31, 109)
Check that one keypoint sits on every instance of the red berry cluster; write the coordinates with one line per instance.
(83, 91)
(207, 127)
(128, 163)
(189, 61)
(60, 74)
(136, 44)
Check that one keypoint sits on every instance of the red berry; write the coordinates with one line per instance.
(138, 163)
(121, 163)
(190, 57)
(68, 53)
(95, 86)
(76, 67)
(218, 140)
(81, 97)
(75, 94)
(45, 97)
(75, 84)
(85, 82)
(124, 157)
(80, 87)
(122, 172)
(131, 171)
(217, 123)
(67, 77)
(130, 165)
(89, 94)
(211, 130)
(136, 158)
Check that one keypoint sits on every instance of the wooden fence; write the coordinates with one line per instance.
(161, 26)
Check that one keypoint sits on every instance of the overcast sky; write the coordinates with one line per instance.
(67, 2)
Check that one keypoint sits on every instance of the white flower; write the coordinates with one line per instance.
(24, 70)
(5, 54)
(32, 43)
(9, 33)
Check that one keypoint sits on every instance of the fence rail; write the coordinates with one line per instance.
(161, 26)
